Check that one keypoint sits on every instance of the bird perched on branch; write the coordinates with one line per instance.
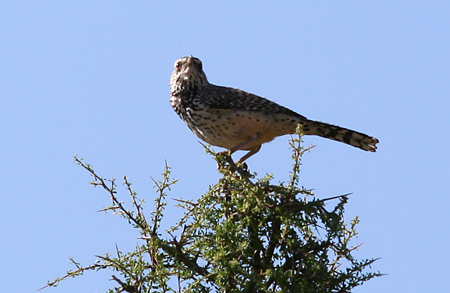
(238, 120)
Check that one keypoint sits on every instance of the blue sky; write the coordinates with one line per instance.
(91, 78)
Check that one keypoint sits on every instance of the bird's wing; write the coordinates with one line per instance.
(225, 98)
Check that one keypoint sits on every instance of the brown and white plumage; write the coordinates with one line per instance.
(238, 120)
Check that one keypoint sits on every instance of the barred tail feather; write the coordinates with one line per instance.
(350, 137)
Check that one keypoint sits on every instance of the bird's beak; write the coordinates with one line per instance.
(190, 58)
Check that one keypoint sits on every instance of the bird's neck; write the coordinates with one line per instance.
(188, 85)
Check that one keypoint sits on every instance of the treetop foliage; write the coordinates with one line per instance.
(245, 234)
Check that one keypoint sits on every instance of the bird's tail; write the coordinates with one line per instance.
(351, 137)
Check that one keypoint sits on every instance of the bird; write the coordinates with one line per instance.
(238, 120)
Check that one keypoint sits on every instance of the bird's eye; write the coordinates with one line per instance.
(178, 65)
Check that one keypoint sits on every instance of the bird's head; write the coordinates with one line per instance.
(187, 74)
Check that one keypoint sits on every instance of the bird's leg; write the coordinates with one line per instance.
(252, 151)
(243, 144)
(249, 154)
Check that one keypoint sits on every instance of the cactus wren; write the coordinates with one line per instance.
(237, 120)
